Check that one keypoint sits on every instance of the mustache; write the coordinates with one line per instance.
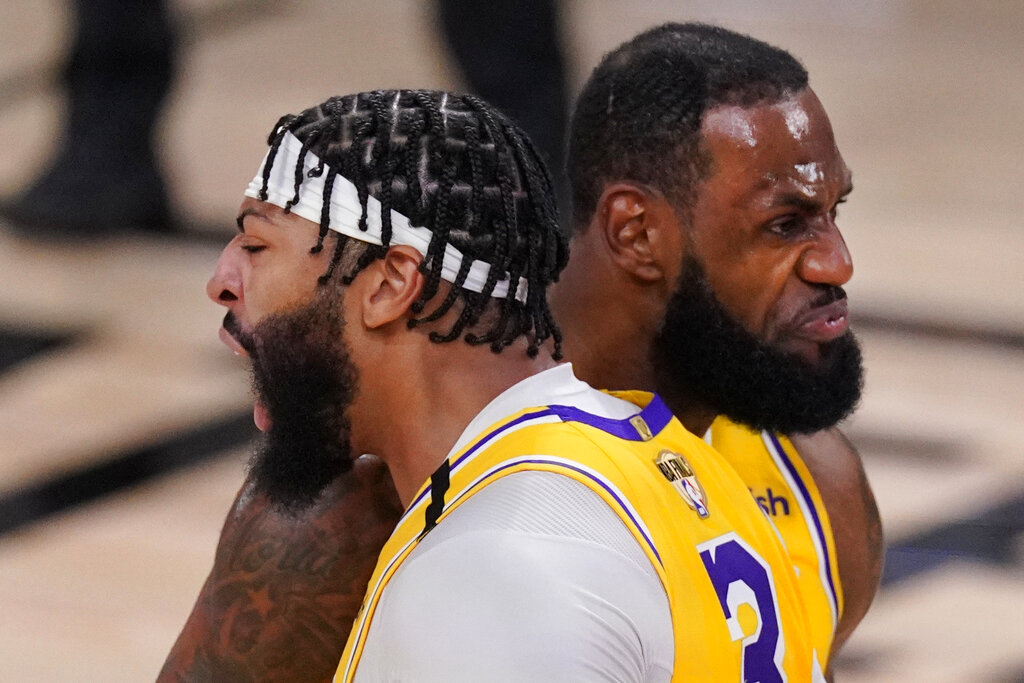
(830, 294)
(234, 328)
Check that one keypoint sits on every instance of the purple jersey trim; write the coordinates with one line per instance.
(818, 528)
(484, 441)
(656, 415)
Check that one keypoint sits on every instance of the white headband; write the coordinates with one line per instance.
(346, 211)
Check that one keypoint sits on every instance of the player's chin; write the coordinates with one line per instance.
(817, 356)
(813, 354)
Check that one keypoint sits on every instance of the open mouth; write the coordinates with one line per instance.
(825, 323)
(232, 343)
(260, 416)
(231, 334)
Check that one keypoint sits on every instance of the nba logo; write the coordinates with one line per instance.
(678, 471)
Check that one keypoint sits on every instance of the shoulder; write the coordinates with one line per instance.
(314, 565)
(838, 472)
(575, 592)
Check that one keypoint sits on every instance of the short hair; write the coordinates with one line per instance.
(454, 164)
(639, 115)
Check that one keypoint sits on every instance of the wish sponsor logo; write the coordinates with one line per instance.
(770, 503)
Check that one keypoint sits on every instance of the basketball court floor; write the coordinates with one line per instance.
(125, 425)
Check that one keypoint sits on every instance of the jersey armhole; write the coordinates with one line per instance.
(812, 506)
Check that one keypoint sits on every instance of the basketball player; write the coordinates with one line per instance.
(264, 553)
(388, 281)
(706, 183)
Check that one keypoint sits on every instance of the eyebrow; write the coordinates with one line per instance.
(240, 220)
(804, 202)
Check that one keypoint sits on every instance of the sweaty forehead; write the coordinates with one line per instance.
(789, 142)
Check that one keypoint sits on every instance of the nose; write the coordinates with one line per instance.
(827, 261)
(225, 287)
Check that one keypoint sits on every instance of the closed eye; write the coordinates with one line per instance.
(786, 226)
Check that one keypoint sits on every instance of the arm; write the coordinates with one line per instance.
(280, 599)
(837, 470)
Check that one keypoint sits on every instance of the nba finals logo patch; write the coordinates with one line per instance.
(678, 471)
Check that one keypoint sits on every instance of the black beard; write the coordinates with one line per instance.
(304, 376)
(704, 356)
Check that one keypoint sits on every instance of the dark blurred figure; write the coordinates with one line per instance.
(105, 177)
(510, 54)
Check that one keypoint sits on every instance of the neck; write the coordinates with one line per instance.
(608, 321)
(695, 416)
(416, 408)
(604, 336)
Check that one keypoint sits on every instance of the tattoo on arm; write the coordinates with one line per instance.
(284, 590)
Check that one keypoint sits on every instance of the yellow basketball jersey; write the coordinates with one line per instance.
(782, 486)
(732, 590)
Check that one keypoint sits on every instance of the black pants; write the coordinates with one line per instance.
(510, 54)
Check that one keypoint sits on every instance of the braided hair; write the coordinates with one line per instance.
(457, 166)
(639, 115)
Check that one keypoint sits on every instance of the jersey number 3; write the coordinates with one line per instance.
(741, 577)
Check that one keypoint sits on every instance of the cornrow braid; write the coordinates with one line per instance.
(274, 140)
(506, 186)
(542, 254)
(353, 162)
(497, 335)
(449, 299)
(457, 166)
(328, 129)
(437, 223)
(431, 263)
(385, 162)
(298, 177)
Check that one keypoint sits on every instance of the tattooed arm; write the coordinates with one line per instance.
(284, 590)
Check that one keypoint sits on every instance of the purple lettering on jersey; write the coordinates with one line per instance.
(741, 577)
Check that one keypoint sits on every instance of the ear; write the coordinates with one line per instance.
(391, 285)
(640, 229)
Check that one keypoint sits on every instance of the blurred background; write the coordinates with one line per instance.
(125, 424)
